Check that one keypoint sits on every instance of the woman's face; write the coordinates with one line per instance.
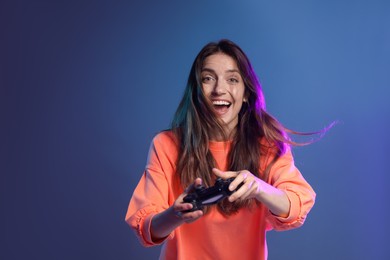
(223, 85)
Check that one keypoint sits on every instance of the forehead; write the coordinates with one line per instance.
(220, 61)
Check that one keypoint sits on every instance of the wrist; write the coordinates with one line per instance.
(164, 223)
(263, 190)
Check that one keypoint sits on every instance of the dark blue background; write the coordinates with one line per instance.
(85, 85)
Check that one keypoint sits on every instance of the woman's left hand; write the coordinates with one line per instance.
(251, 188)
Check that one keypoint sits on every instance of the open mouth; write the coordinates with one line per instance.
(221, 106)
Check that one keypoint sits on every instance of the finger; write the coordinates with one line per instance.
(197, 182)
(249, 190)
(240, 179)
(191, 216)
(246, 191)
(184, 214)
(237, 192)
(187, 215)
(182, 206)
(241, 185)
(224, 175)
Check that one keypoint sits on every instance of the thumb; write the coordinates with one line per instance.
(224, 175)
(196, 183)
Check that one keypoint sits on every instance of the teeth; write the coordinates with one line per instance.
(221, 103)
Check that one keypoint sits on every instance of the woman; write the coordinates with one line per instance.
(220, 130)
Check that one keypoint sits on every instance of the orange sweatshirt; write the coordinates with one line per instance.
(214, 236)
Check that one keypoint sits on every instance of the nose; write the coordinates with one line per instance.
(219, 88)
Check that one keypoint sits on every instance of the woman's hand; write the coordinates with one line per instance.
(253, 187)
(165, 222)
(179, 207)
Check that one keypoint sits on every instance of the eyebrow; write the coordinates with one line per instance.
(211, 70)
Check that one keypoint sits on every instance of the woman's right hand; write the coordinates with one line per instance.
(180, 208)
(165, 222)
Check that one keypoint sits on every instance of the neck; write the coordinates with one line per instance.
(227, 135)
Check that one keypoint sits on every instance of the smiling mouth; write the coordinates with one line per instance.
(221, 106)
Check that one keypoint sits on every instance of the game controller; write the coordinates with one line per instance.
(202, 196)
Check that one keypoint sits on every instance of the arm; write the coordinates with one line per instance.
(155, 201)
(274, 199)
(168, 220)
(286, 177)
(287, 195)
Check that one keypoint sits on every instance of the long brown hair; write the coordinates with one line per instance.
(194, 122)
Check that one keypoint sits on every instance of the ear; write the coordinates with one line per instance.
(246, 95)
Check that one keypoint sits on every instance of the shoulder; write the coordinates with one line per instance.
(165, 137)
(272, 148)
(163, 151)
(270, 151)
(165, 140)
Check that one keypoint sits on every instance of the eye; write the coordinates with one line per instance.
(233, 80)
(207, 78)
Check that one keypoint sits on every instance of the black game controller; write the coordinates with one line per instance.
(202, 196)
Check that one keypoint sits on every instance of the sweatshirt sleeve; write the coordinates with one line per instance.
(285, 176)
(151, 196)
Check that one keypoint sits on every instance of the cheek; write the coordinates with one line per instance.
(206, 89)
(238, 95)
(238, 106)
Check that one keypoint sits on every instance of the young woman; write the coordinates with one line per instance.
(220, 130)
